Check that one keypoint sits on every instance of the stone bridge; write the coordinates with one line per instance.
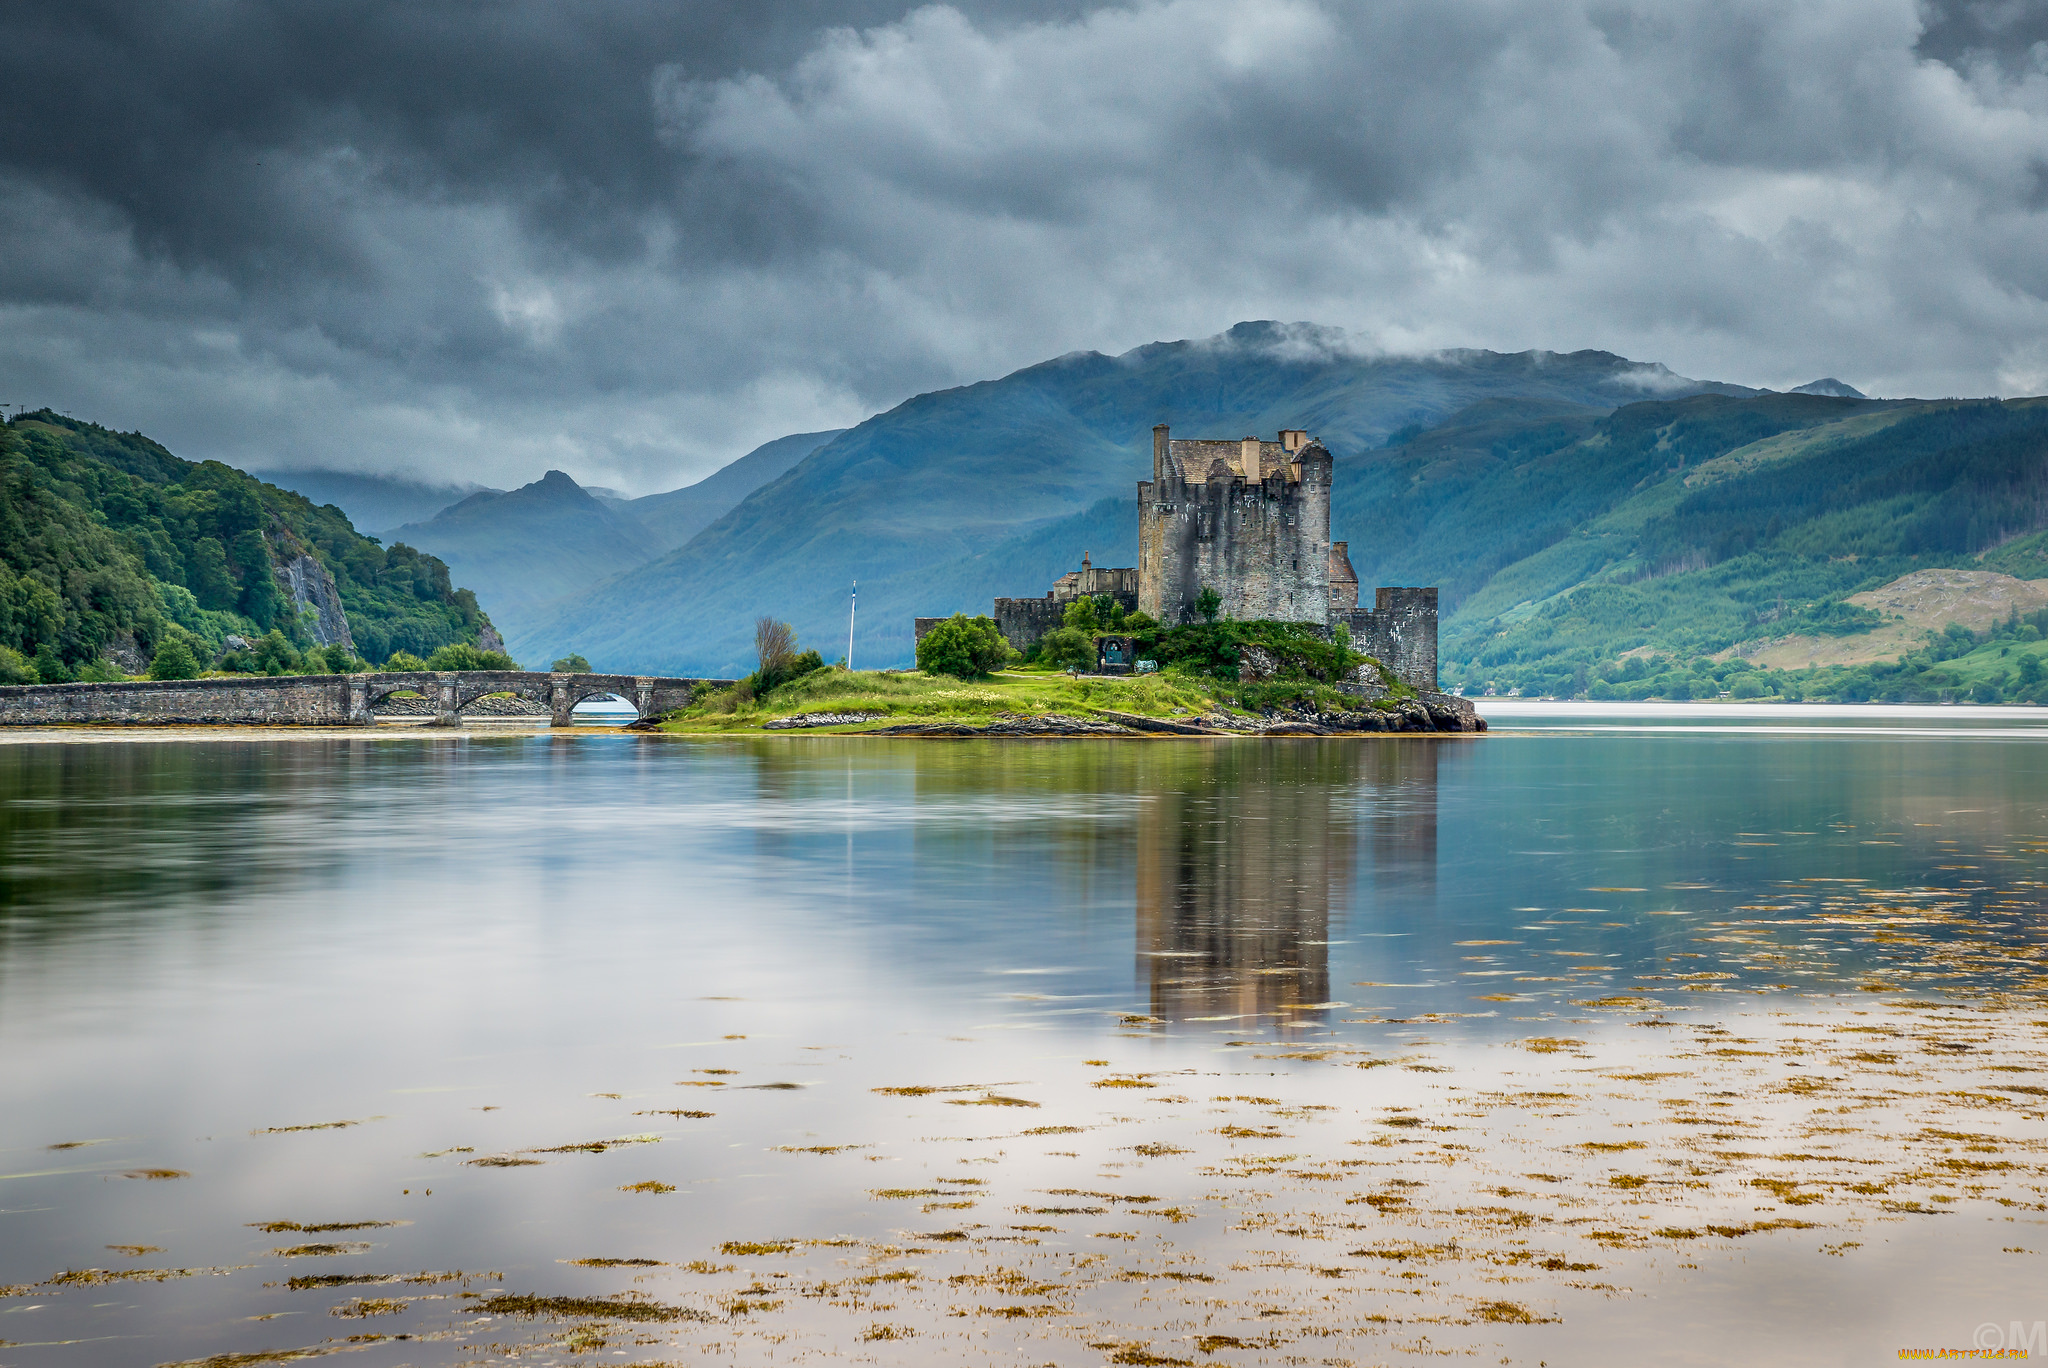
(328, 700)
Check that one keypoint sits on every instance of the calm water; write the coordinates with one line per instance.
(309, 983)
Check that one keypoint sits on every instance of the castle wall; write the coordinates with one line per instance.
(1023, 622)
(1263, 544)
(1400, 633)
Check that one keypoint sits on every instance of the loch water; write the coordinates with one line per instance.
(1696, 1033)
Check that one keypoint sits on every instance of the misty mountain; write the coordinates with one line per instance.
(1830, 386)
(954, 494)
(372, 502)
(532, 544)
(681, 514)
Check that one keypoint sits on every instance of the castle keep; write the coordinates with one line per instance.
(1249, 519)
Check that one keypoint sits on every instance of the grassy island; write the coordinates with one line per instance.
(1218, 677)
(876, 700)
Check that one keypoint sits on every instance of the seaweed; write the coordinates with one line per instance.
(530, 1306)
(280, 1227)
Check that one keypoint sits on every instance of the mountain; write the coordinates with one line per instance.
(681, 514)
(373, 501)
(1832, 387)
(911, 500)
(106, 537)
(1703, 527)
(535, 543)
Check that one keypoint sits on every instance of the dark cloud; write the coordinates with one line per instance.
(483, 237)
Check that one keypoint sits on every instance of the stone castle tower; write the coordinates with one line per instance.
(1247, 518)
(1251, 520)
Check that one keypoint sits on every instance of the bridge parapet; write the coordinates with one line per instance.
(328, 700)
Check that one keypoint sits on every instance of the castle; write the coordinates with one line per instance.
(1250, 520)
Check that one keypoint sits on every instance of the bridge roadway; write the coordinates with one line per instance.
(328, 700)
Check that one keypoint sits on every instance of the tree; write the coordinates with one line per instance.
(1082, 616)
(51, 669)
(1208, 603)
(460, 655)
(774, 644)
(275, 655)
(966, 648)
(173, 659)
(404, 662)
(571, 663)
(1067, 648)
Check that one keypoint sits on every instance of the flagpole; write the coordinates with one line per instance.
(851, 609)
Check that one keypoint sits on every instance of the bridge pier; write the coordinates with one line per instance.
(643, 698)
(358, 714)
(447, 701)
(561, 704)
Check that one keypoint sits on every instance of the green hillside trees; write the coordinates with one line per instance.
(107, 540)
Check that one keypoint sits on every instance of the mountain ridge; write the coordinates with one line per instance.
(956, 474)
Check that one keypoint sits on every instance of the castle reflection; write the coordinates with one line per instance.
(1249, 862)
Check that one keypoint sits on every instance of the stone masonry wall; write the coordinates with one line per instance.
(288, 700)
(1023, 622)
(1400, 633)
(322, 700)
(1262, 544)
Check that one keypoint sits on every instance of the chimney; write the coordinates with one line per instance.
(1159, 451)
(1248, 460)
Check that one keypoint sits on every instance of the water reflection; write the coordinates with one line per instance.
(1246, 864)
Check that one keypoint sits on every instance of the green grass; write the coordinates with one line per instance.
(911, 697)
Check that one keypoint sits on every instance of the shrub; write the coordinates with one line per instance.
(275, 655)
(1213, 649)
(51, 669)
(173, 660)
(1208, 603)
(966, 648)
(100, 670)
(571, 663)
(404, 662)
(793, 667)
(460, 655)
(15, 667)
(1067, 648)
(335, 659)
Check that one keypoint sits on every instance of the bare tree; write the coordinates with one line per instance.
(775, 643)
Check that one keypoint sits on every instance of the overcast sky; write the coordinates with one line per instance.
(634, 238)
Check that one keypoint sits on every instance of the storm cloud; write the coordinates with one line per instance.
(479, 238)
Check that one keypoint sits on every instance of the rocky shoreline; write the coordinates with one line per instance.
(1428, 713)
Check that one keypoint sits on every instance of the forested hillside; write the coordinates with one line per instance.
(1650, 552)
(108, 543)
